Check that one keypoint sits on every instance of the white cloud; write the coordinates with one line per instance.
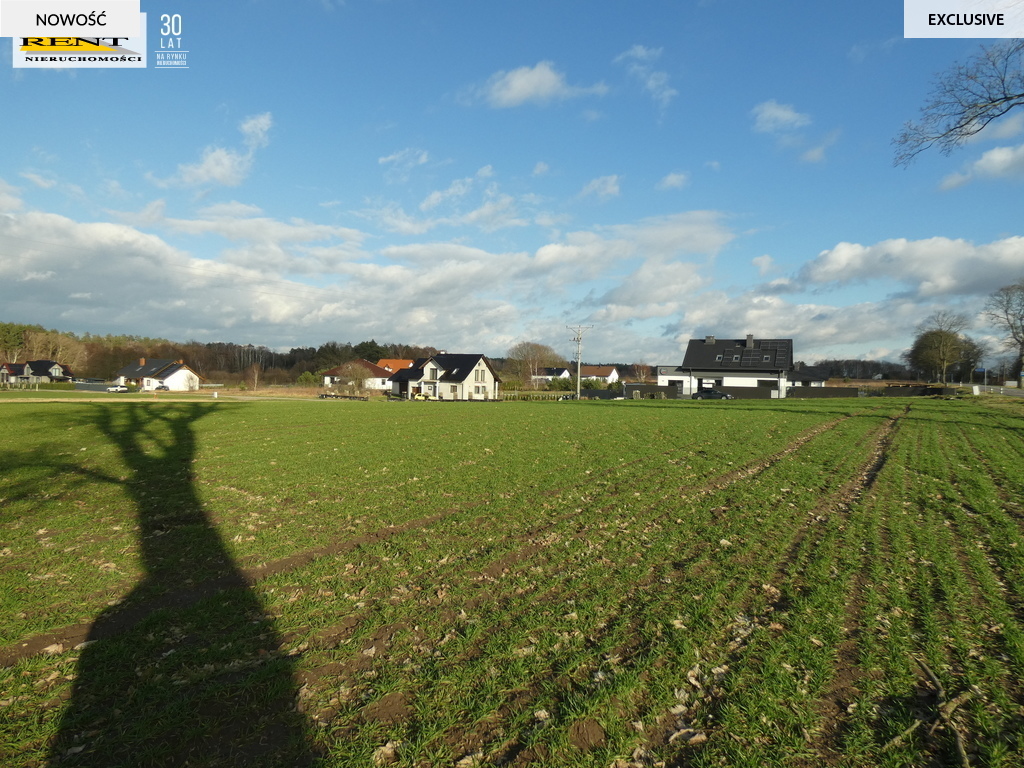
(1005, 127)
(657, 288)
(772, 117)
(540, 84)
(221, 165)
(764, 264)
(655, 82)
(256, 130)
(408, 157)
(456, 189)
(930, 268)
(9, 199)
(673, 180)
(998, 163)
(43, 182)
(496, 211)
(603, 187)
(231, 210)
(815, 328)
(816, 154)
(402, 163)
(541, 168)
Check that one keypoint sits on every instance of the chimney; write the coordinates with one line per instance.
(142, 361)
(750, 341)
(709, 339)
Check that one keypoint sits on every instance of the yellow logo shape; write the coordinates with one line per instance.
(64, 44)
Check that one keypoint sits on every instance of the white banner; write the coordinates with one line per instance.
(963, 18)
(70, 18)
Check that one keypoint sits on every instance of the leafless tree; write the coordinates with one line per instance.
(1005, 310)
(528, 357)
(965, 99)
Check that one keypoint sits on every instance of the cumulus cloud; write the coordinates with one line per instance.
(929, 268)
(657, 288)
(673, 180)
(539, 84)
(224, 166)
(603, 187)
(541, 168)
(639, 270)
(998, 163)
(772, 117)
(638, 61)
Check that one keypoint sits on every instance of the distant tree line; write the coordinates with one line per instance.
(92, 356)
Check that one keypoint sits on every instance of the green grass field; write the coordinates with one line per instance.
(748, 583)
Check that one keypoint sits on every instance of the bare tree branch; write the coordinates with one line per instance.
(965, 100)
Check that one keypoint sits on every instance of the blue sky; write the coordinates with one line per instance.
(473, 174)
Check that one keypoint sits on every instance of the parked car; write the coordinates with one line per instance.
(424, 396)
(711, 394)
(117, 388)
(162, 388)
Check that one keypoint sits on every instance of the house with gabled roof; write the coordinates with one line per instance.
(604, 373)
(545, 375)
(34, 372)
(375, 377)
(150, 374)
(711, 363)
(448, 377)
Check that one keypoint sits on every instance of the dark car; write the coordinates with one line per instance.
(711, 394)
(162, 388)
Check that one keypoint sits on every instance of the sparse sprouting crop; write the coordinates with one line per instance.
(635, 583)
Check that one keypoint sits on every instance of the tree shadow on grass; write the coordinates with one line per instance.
(187, 669)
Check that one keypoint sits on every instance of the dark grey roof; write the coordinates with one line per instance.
(150, 369)
(42, 368)
(712, 354)
(454, 367)
(458, 367)
(414, 373)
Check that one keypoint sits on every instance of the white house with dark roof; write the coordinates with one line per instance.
(545, 375)
(448, 377)
(34, 372)
(150, 374)
(711, 363)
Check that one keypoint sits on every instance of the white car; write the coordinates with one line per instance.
(117, 388)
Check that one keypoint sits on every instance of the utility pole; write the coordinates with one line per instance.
(578, 332)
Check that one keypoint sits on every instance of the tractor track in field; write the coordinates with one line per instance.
(628, 606)
(847, 676)
(127, 616)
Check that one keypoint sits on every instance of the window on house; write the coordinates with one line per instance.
(718, 358)
(735, 358)
(767, 358)
(455, 389)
